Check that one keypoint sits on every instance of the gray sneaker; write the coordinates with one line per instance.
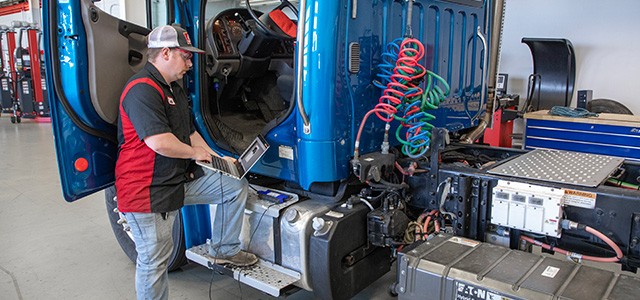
(241, 259)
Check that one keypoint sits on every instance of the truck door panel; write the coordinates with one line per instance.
(116, 49)
(90, 55)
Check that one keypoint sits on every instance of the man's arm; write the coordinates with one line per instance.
(168, 145)
(198, 141)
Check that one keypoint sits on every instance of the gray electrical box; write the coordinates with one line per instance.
(447, 267)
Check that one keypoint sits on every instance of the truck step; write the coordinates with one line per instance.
(264, 276)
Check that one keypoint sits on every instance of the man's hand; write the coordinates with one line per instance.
(200, 154)
(229, 158)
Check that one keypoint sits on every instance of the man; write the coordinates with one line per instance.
(155, 171)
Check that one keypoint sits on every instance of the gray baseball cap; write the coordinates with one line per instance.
(171, 36)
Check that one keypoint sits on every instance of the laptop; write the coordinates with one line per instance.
(243, 164)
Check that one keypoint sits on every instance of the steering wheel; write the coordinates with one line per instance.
(267, 29)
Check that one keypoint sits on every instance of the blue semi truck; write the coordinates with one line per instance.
(370, 108)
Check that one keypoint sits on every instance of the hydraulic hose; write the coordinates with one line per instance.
(404, 99)
(622, 184)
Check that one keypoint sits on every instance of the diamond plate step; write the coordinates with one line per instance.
(265, 276)
(584, 169)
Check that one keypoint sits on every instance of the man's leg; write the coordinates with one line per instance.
(231, 196)
(154, 244)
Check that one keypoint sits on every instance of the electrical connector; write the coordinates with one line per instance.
(574, 257)
(385, 142)
(385, 147)
(568, 224)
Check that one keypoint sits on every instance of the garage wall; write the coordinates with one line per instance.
(603, 33)
(113, 7)
(21, 16)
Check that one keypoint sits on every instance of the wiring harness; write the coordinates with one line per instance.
(566, 224)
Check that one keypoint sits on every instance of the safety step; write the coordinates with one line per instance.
(264, 276)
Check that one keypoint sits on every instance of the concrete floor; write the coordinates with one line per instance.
(52, 249)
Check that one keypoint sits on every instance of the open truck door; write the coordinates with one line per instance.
(90, 56)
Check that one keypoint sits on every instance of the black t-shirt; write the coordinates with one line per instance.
(145, 180)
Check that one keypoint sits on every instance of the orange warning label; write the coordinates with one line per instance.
(580, 198)
(580, 193)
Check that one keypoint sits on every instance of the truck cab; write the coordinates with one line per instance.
(303, 74)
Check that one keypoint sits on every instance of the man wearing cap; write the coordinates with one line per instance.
(155, 171)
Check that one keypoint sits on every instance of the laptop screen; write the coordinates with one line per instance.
(253, 153)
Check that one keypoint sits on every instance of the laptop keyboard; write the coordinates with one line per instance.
(222, 164)
(238, 168)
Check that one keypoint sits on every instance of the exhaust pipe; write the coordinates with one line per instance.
(494, 58)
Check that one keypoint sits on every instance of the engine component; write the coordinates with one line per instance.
(448, 267)
(373, 166)
(386, 227)
(528, 207)
(321, 226)
(342, 262)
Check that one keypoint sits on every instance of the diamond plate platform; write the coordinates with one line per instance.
(265, 276)
(558, 166)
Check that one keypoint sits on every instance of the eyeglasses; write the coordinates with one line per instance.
(186, 55)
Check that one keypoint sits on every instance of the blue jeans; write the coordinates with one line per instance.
(231, 196)
(154, 244)
(152, 233)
